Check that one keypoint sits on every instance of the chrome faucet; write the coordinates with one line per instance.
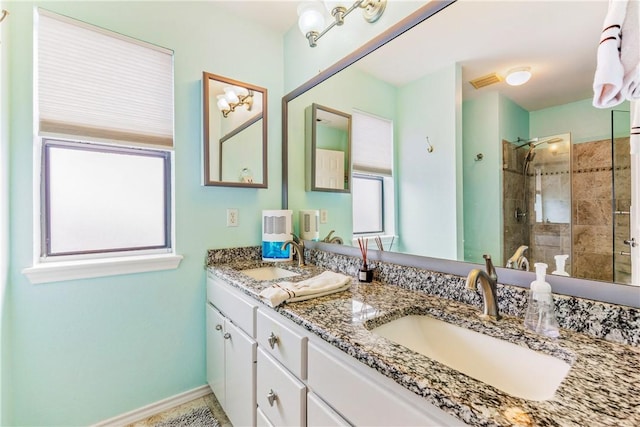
(488, 281)
(298, 248)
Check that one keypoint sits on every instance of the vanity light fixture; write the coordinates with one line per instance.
(234, 97)
(311, 17)
(518, 76)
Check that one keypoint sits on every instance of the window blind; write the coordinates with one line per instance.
(372, 144)
(100, 85)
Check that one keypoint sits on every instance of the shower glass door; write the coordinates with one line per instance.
(621, 200)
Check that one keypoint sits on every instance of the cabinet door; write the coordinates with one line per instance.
(215, 353)
(240, 358)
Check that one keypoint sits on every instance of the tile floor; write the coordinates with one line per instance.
(208, 400)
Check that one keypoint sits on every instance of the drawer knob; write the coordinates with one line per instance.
(271, 397)
(226, 336)
(272, 340)
(218, 327)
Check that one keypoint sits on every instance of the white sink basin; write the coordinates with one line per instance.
(268, 273)
(515, 370)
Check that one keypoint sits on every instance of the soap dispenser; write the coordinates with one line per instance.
(540, 315)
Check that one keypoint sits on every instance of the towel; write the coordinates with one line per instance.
(617, 74)
(325, 283)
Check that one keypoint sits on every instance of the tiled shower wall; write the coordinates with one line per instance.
(515, 231)
(595, 254)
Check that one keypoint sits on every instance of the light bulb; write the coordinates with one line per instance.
(241, 91)
(230, 95)
(311, 17)
(222, 103)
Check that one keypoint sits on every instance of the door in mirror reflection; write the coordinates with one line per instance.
(235, 133)
(328, 149)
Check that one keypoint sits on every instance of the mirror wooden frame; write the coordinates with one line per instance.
(206, 153)
(607, 292)
(312, 146)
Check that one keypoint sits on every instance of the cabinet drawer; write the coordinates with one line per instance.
(319, 414)
(280, 341)
(281, 397)
(236, 307)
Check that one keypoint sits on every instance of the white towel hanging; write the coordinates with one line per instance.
(617, 76)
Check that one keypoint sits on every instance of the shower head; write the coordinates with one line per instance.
(530, 154)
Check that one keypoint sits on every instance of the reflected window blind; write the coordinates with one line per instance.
(100, 85)
(372, 144)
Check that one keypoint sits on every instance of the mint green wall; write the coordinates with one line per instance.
(87, 350)
(350, 89)
(480, 118)
(487, 120)
(581, 118)
(329, 138)
(5, 396)
(428, 183)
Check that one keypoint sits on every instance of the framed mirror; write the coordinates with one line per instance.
(234, 132)
(328, 149)
(469, 146)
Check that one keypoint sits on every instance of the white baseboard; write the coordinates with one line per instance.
(155, 408)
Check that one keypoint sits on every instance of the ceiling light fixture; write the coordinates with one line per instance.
(518, 76)
(311, 17)
(234, 97)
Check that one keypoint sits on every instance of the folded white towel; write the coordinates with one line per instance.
(325, 283)
(618, 59)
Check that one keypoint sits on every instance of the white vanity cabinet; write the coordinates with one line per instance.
(281, 396)
(319, 414)
(231, 353)
(300, 380)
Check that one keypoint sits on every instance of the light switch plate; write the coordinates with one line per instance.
(324, 216)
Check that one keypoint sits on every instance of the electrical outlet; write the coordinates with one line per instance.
(324, 216)
(232, 217)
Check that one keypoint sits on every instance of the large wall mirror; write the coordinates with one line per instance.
(327, 149)
(234, 132)
(500, 151)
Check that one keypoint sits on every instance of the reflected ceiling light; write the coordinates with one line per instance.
(234, 97)
(518, 76)
(311, 16)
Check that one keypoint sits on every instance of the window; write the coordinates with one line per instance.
(368, 204)
(105, 133)
(373, 185)
(100, 199)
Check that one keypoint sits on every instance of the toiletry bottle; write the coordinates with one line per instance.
(540, 315)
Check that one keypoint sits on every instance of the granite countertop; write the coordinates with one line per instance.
(601, 389)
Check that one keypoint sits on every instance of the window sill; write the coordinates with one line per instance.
(387, 240)
(85, 269)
